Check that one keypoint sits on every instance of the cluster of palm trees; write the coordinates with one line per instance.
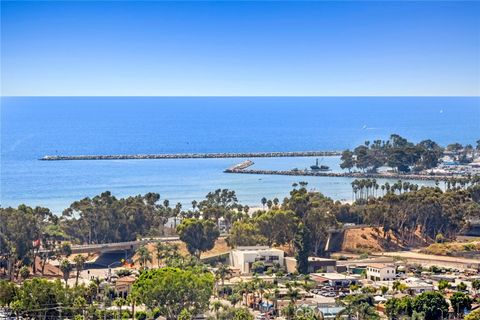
(253, 293)
(165, 253)
(364, 189)
(456, 183)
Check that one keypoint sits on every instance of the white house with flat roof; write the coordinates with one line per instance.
(381, 272)
(244, 257)
(334, 279)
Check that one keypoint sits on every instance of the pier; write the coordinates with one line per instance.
(357, 175)
(195, 155)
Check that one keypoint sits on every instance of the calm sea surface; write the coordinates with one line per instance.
(34, 127)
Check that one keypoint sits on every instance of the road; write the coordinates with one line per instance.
(106, 247)
(430, 260)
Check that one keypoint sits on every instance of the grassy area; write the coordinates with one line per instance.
(452, 248)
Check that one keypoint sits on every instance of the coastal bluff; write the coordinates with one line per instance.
(195, 155)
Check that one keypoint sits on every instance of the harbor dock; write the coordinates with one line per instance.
(196, 155)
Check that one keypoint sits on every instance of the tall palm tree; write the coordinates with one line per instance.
(79, 265)
(160, 252)
(144, 256)
(264, 202)
(119, 303)
(215, 306)
(222, 272)
(66, 268)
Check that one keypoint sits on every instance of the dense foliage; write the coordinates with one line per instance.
(402, 155)
(172, 290)
(199, 235)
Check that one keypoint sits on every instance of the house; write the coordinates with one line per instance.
(123, 285)
(244, 257)
(381, 272)
(334, 279)
(314, 264)
(417, 286)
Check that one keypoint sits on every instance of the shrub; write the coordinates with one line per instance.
(140, 315)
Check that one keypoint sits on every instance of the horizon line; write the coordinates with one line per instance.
(239, 96)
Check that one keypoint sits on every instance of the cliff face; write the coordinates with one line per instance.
(369, 239)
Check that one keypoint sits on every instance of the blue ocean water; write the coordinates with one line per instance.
(34, 127)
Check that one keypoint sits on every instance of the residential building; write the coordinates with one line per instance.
(381, 272)
(417, 286)
(244, 257)
(334, 279)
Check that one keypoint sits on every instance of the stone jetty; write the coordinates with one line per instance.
(195, 155)
(242, 166)
(357, 175)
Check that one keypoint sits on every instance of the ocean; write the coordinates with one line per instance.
(32, 127)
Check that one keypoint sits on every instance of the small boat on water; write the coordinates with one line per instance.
(317, 167)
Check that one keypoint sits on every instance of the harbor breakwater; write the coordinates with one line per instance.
(196, 155)
(358, 175)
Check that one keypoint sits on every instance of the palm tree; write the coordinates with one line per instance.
(160, 250)
(66, 268)
(222, 272)
(119, 303)
(132, 299)
(79, 265)
(293, 294)
(215, 306)
(24, 272)
(144, 256)
(264, 202)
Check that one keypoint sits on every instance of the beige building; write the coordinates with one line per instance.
(381, 272)
(244, 257)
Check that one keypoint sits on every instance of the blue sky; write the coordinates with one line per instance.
(335, 48)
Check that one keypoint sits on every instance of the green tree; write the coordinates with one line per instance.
(476, 285)
(443, 284)
(461, 286)
(244, 233)
(24, 272)
(185, 315)
(172, 290)
(8, 292)
(277, 226)
(347, 160)
(79, 265)
(198, 235)
(119, 303)
(360, 306)
(143, 256)
(302, 248)
(65, 249)
(432, 304)
(396, 308)
(66, 268)
(460, 301)
(222, 272)
(215, 306)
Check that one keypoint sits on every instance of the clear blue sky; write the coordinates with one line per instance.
(335, 48)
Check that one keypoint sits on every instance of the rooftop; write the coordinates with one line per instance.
(333, 276)
(379, 265)
(256, 249)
